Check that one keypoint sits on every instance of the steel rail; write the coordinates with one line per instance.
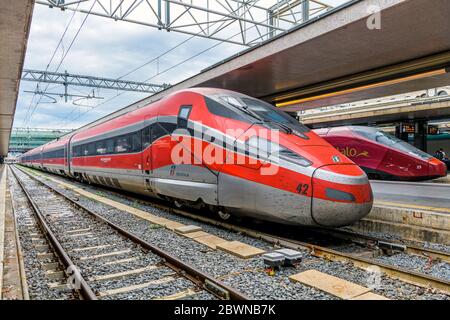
(407, 248)
(203, 280)
(85, 289)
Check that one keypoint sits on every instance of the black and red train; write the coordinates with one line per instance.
(289, 174)
(383, 156)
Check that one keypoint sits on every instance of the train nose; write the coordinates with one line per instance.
(436, 168)
(341, 195)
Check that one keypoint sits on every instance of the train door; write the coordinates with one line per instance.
(178, 167)
(69, 155)
(66, 158)
(147, 168)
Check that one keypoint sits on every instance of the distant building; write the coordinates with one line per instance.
(24, 139)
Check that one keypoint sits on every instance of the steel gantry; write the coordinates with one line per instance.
(67, 79)
(242, 22)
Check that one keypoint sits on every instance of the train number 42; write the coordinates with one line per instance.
(303, 188)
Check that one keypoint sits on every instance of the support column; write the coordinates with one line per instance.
(420, 137)
(414, 133)
(305, 10)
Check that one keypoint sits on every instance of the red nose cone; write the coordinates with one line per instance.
(437, 168)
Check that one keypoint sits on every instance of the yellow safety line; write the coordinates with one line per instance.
(411, 206)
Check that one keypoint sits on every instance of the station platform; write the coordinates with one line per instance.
(413, 195)
(416, 211)
(441, 180)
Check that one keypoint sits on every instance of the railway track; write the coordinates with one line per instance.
(101, 260)
(363, 261)
(360, 260)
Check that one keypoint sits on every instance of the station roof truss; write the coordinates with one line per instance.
(241, 22)
(66, 79)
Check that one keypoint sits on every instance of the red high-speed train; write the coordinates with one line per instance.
(383, 156)
(294, 177)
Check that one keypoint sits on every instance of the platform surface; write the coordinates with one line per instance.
(414, 195)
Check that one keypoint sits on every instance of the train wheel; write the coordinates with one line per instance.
(224, 215)
(177, 204)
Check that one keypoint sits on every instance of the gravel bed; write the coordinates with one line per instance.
(248, 275)
(37, 280)
(420, 264)
(62, 218)
(397, 238)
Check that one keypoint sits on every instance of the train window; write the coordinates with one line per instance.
(233, 101)
(84, 150)
(222, 110)
(77, 151)
(385, 138)
(110, 146)
(100, 147)
(158, 131)
(123, 144)
(368, 133)
(146, 139)
(269, 113)
(135, 141)
(183, 116)
(91, 148)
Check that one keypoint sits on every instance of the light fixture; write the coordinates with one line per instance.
(369, 86)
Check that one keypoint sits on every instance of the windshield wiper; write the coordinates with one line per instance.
(282, 125)
(247, 112)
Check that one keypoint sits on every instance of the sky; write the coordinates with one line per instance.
(104, 48)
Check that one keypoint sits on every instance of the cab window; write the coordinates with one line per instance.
(183, 116)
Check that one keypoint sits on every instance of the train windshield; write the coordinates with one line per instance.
(260, 111)
(390, 141)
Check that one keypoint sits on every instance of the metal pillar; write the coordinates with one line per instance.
(305, 10)
(420, 138)
(413, 132)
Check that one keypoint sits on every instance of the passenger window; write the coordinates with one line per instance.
(100, 147)
(122, 144)
(157, 131)
(110, 146)
(183, 116)
(135, 141)
(85, 150)
(91, 148)
(146, 137)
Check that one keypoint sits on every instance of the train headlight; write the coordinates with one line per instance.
(266, 149)
(293, 157)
